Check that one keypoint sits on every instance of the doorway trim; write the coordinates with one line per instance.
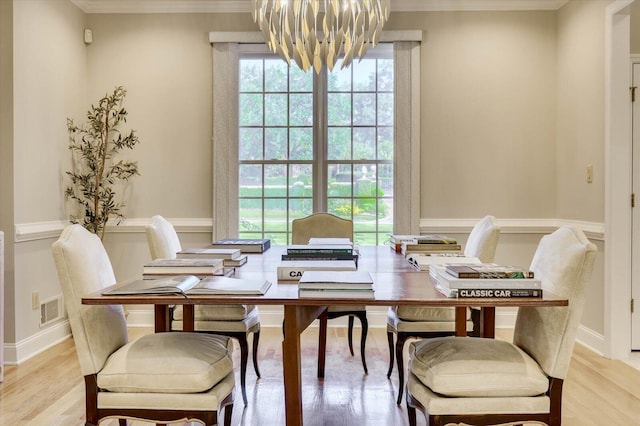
(618, 168)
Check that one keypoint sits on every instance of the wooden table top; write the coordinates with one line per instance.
(395, 283)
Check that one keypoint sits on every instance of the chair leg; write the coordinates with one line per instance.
(228, 413)
(122, 422)
(256, 339)
(391, 353)
(401, 338)
(350, 334)
(411, 414)
(363, 339)
(244, 355)
(322, 344)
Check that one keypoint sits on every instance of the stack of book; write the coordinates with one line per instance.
(331, 284)
(245, 245)
(321, 256)
(485, 280)
(230, 256)
(423, 261)
(167, 267)
(320, 252)
(429, 244)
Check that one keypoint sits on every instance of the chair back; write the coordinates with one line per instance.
(563, 262)
(320, 225)
(483, 240)
(163, 240)
(83, 268)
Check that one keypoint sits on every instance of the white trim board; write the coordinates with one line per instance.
(16, 353)
(45, 230)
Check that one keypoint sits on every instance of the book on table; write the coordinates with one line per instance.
(292, 270)
(236, 262)
(329, 241)
(312, 249)
(440, 274)
(231, 286)
(422, 261)
(408, 248)
(336, 293)
(178, 284)
(209, 253)
(246, 245)
(488, 270)
(331, 284)
(396, 240)
(183, 267)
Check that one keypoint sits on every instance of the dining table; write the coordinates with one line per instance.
(396, 283)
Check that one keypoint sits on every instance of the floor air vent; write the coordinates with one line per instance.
(50, 310)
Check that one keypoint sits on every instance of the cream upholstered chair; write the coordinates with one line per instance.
(327, 225)
(487, 381)
(408, 321)
(162, 377)
(236, 321)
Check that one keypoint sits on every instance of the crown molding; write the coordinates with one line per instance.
(244, 6)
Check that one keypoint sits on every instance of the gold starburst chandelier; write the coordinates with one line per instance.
(313, 33)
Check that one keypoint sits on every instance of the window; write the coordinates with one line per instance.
(310, 142)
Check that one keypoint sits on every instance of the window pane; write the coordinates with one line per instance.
(385, 143)
(301, 143)
(275, 215)
(364, 109)
(301, 109)
(385, 75)
(340, 207)
(250, 110)
(250, 143)
(339, 180)
(339, 109)
(385, 109)
(364, 75)
(339, 143)
(364, 143)
(275, 113)
(251, 75)
(339, 80)
(250, 180)
(301, 180)
(275, 180)
(300, 81)
(275, 75)
(250, 215)
(275, 143)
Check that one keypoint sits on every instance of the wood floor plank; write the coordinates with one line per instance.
(48, 389)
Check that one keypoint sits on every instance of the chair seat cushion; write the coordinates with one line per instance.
(470, 367)
(216, 312)
(168, 363)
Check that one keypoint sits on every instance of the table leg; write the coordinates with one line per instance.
(461, 321)
(188, 317)
(488, 322)
(161, 318)
(296, 320)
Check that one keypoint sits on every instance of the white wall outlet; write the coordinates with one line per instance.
(35, 300)
(589, 173)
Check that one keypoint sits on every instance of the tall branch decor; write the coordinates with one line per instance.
(95, 171)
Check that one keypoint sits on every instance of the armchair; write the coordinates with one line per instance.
(488, 381)
(236, 321)
(162, 377)
(327, 225)
(410, 322)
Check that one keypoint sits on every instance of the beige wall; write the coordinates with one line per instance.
(488, 94)
(165, 62)
(580, 128)
(49, 84)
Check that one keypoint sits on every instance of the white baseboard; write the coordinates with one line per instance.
(16, 353)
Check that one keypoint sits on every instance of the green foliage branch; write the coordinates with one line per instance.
(95, 171)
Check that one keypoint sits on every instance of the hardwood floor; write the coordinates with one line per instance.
(48, 390)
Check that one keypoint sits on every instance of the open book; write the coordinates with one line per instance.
(178, 284)
(231, 286)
